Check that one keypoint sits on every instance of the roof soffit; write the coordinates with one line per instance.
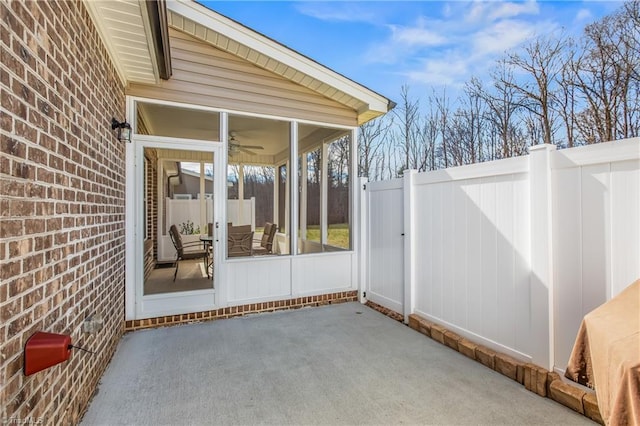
(125, 29)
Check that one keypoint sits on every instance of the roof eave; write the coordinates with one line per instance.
(146, 57)
(157, 11)
(375, 104)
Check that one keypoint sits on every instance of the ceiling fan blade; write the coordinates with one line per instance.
(246, 151)
(252, 146)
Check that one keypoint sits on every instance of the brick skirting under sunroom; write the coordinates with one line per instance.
(236, 311)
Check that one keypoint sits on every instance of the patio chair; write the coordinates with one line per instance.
(239, 229)
(265, 245)
(240, 244)
(181, 254)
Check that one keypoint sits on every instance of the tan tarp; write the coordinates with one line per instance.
(606, 357)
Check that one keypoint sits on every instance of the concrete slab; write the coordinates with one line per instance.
(338, 364)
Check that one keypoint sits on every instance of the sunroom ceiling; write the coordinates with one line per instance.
(125, 29)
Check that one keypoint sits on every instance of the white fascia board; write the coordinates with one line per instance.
(253, 40)
(144, 15)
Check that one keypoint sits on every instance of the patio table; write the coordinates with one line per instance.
(207, 241)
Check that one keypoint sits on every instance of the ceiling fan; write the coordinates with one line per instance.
(235, 147)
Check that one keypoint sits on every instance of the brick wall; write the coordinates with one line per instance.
(62, 184)
(151, 200)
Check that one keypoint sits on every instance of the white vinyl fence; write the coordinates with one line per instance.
(511, 253)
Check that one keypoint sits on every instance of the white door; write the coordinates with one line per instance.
(180, 190)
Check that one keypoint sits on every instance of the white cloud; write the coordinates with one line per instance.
(583, 15)
(510, 10)
(501, 36)
(404, 41)
(485, 11)
(446, 10)
(477, 12)
(338, 11)
(450, 70)
(415, 36)
(459, 41)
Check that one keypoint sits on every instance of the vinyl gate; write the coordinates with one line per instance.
(385, 251)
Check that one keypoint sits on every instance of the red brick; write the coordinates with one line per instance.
(10, 310)
(34, 226)
(13, 147)
(37, 155)
(11, 228)
(12, 188)
(22, 170)
(20, 248)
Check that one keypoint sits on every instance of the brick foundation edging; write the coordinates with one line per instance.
(534, 378)
(385, 311)
(236, 311)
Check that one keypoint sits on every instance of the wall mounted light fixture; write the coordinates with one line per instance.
(123, 131)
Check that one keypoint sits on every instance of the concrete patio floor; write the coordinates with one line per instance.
(338, 364)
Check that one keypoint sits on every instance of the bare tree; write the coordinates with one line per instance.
(407, 116)
(502, 103)
(441, 103)
(428, 137)
(606, 77)
(372, 137)
(566, 104)
(553, 90)
(339, 153)
(466, 128)
(542, 61)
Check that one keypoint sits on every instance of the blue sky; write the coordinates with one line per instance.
(424, 44)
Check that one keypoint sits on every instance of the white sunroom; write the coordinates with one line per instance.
(232, 129)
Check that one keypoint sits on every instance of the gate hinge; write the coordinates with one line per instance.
(364, 294)
(364, 187)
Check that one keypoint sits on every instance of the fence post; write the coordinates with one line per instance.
(541, 281)
(363, 249)
(409, 250)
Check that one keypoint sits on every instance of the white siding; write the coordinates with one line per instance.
(205, 75)
(261, 279)
(251, 280)
(327, 273)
